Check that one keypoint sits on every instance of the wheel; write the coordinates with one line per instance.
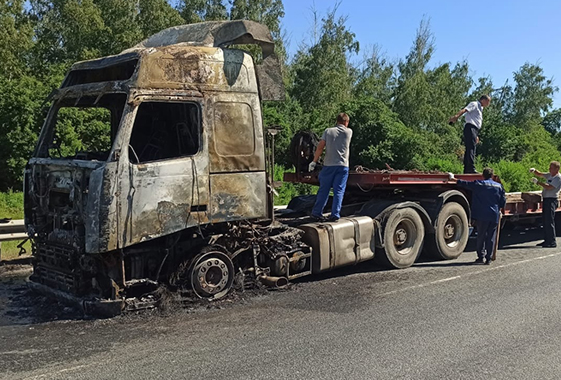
(451, 232)
(212, 274)
(404, 233)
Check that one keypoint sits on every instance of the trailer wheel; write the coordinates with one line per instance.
(451, 232)
(212, 274)
(404, 233)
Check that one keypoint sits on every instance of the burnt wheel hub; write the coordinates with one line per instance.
(400, 236)
(212, 275)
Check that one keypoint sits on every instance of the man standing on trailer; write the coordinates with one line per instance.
(550, 195)
(472, 127)
(487, 202)
(336, 141)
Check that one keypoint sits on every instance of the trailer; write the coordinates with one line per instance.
(182, 195)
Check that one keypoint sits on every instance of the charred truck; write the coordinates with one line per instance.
(181, 194)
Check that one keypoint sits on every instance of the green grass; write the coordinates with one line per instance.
(11, 206)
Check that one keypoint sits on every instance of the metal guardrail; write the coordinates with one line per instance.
(11, 230)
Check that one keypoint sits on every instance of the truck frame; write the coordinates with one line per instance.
(182, 194)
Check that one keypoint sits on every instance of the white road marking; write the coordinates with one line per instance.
(487, 269)
(61, 371)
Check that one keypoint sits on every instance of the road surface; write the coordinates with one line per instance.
(436, 320)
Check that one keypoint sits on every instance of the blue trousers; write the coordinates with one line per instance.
(331, 177)
(486, 235)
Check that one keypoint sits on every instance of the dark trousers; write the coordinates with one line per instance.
(549, 206)
(470, 138)
(486, 236)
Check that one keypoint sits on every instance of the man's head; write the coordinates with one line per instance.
(485, 100)
(487, 173)
(343, 119)
(554, 167)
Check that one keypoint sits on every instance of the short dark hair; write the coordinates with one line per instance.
(488, 173)
(342, 118)
(485, 97)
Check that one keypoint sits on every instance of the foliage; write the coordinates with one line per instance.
(399, 108)
(11, 205)
(289, 190)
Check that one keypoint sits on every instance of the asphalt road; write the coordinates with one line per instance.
(436, 320)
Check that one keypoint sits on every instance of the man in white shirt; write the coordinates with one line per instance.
(550, 194)
(474, 119)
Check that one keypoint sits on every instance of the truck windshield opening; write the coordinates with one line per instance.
(84, 128)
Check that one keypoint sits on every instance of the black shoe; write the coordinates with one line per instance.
(479, 260)
(333, 219)
(488, 262)
(550, 245)
(317, 218)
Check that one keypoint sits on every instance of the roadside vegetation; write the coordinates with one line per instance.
(399, 108)
(11, 207)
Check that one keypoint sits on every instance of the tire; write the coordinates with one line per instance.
(451, 232)
(212, 275)
(403, 233)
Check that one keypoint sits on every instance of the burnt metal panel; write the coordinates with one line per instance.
(238, 196)
(236, 141)
(269, 77)
(214, 33)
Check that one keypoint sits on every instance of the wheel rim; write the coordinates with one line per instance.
(453, 230)
(404, 237)
(212, 275)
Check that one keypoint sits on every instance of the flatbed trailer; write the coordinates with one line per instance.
(397, 200)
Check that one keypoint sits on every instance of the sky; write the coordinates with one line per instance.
(495, 37)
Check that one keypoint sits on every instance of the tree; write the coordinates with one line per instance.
(202, 10)
(552, 121)
(323, 77)
(376, 79)
(15, 39)
(533, 95)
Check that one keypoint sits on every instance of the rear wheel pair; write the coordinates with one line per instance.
(404, 235)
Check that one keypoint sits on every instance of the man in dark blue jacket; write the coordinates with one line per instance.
(487, 201)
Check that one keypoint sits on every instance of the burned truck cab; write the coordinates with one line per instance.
(174, 141)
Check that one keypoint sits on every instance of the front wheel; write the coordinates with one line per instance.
(404, 233)
(212, 275)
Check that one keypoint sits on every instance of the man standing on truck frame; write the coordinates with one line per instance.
(550, 194)
(472, 127)
(487, 202)
(336, 141)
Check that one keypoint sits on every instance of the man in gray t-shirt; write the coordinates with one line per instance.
(335, 171)
(550, 194)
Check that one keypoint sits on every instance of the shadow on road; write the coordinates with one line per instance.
(21, 306)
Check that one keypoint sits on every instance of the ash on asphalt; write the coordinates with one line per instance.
(19, 305)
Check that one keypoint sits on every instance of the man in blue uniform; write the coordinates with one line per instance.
(487, 201)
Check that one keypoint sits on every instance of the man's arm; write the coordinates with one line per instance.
(546, 185)
(319, 150)
(537, 173)
(455, 118)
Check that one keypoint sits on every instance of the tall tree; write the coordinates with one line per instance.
(323, 78)
(15, 39)
(533, 94)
